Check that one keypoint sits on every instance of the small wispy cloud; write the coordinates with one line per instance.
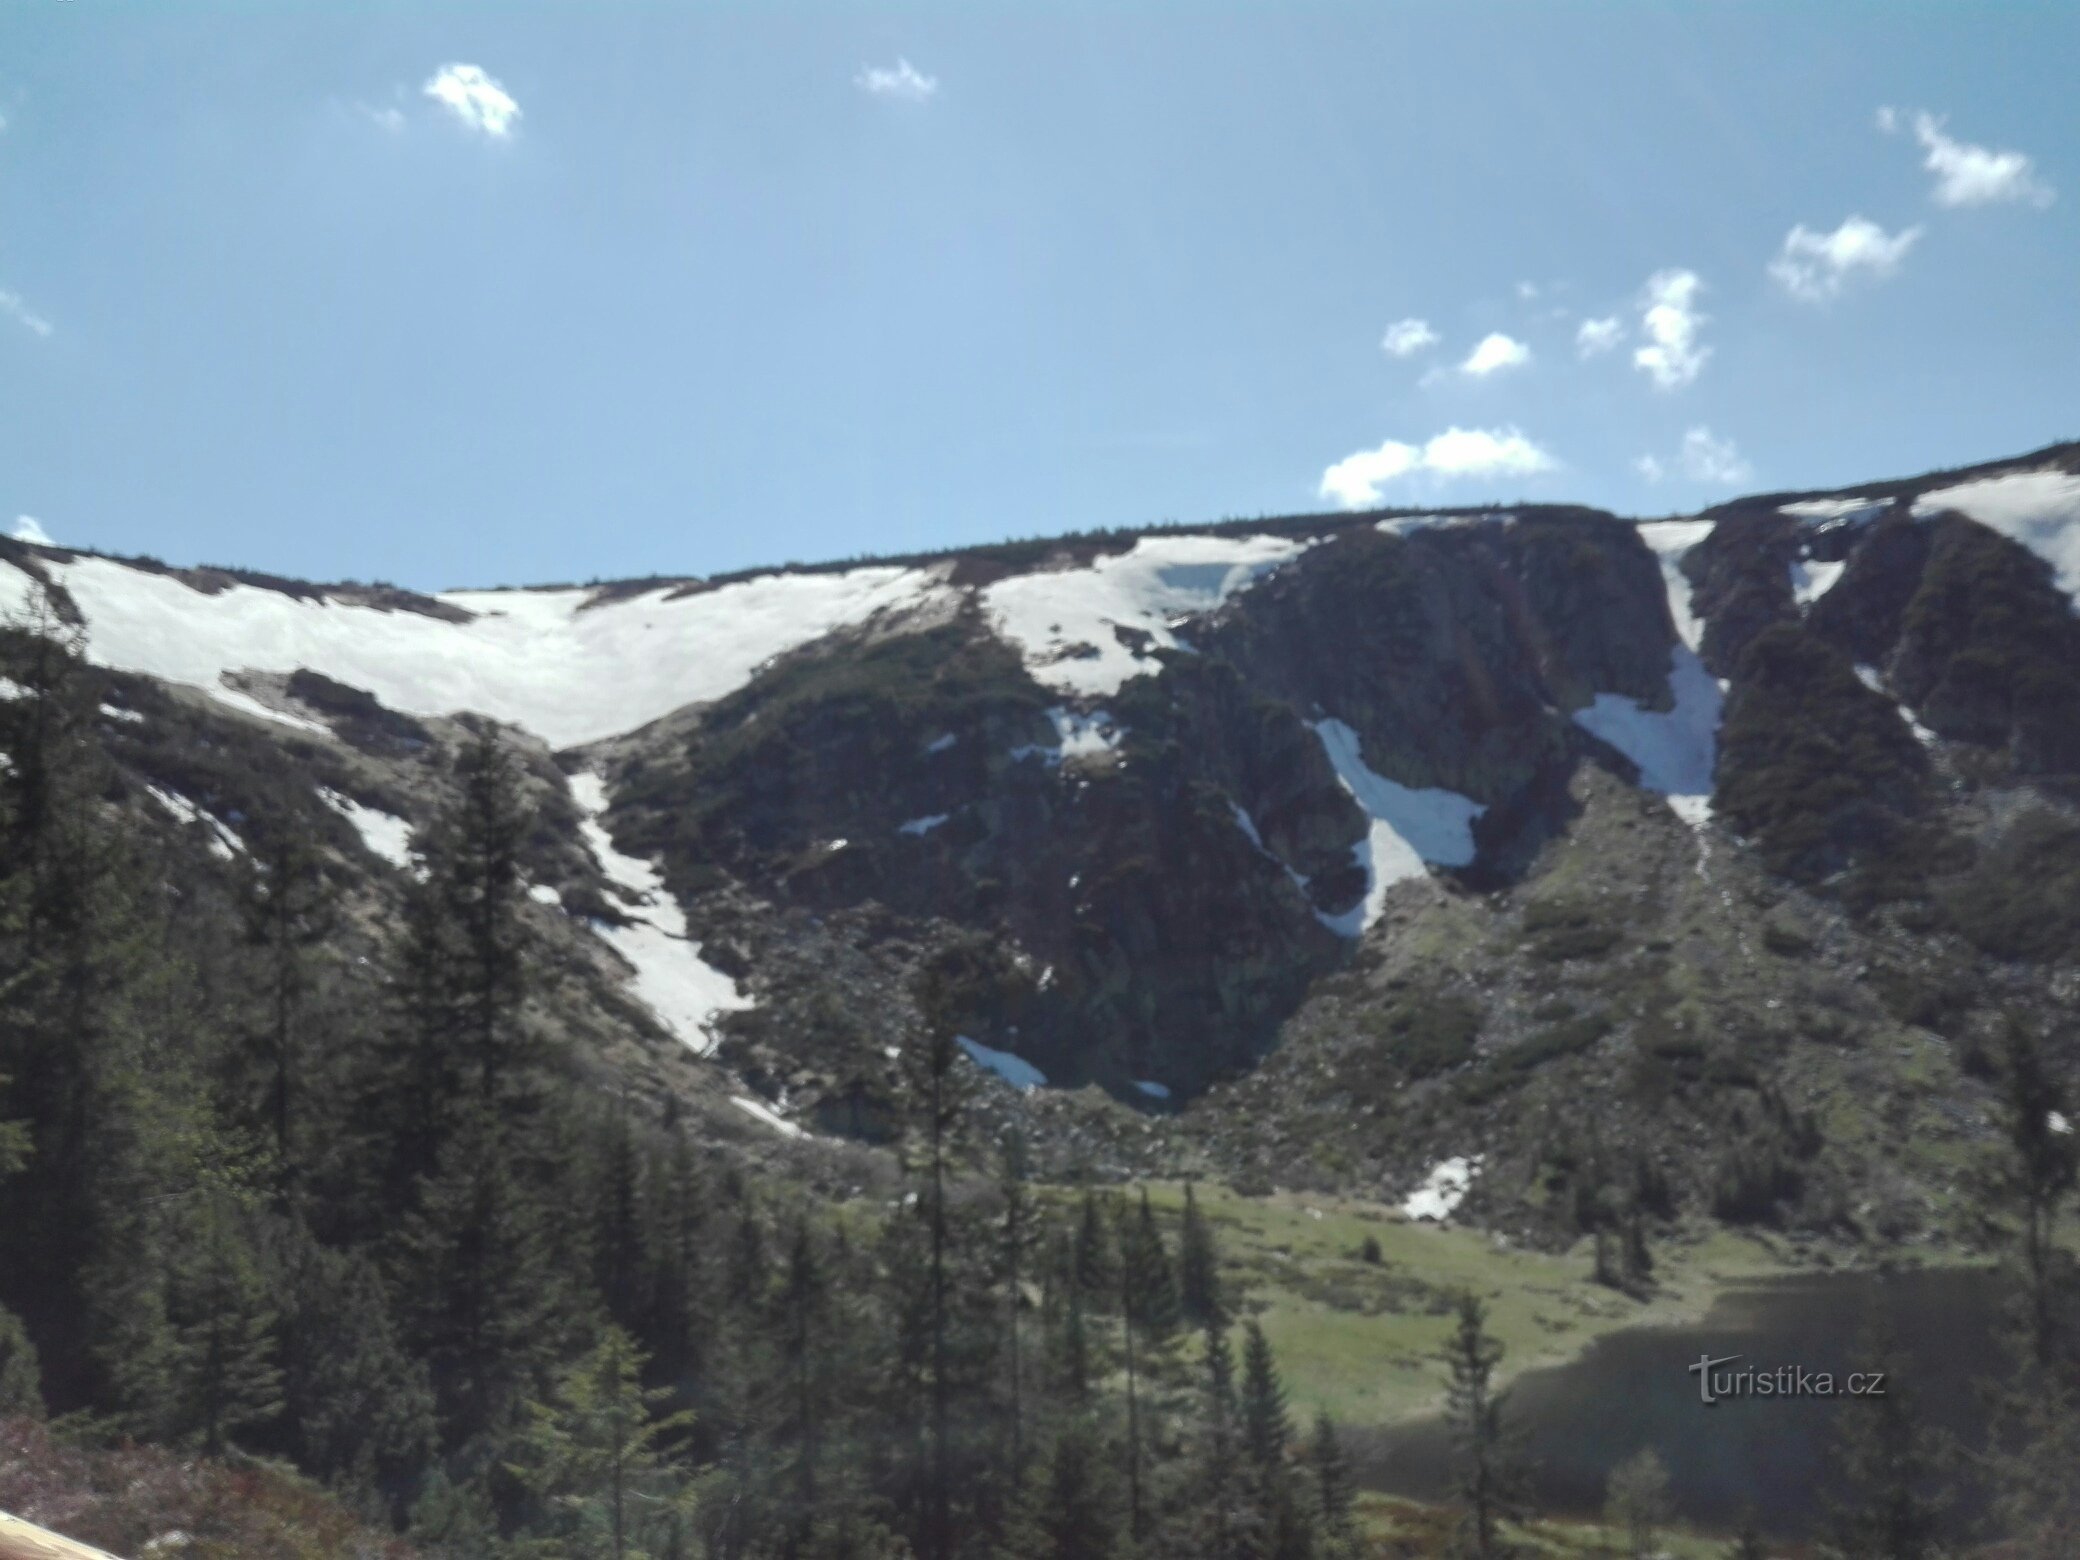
(1672, 322)
(1968, 175)
(1817, 266)
(475, 99)
(1593, 338)
(26, 529)
(12, 305)
(1405, 338)
(1704, 457)
(386, 116)
(1494, 354)
(1356, 481)
(902, 81)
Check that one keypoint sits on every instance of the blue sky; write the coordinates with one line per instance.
(472, 294)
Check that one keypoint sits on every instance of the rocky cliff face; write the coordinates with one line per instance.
(1223, 793)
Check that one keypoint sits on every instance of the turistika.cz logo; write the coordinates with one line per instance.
(1786, 1381)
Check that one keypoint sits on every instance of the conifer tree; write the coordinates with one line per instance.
(21, 1380)
(289, 908)
(1072, 1512)
(1334, 1493)
(1198, 1267)
(1267, 1432)
(594, 1452)
(1486, 1474)
(1220, 1521)
(225, 1379)
(1151, 1284)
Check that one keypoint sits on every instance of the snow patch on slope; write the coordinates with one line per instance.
(1810, 581)
(758, 1110)
(2040, 509)
(1014, 1070)
(923, 825)
(683, 990)
(1443, 1189)
(1063, 622)
(538, 659)
(385, 834)
(223, 844)
(1669, 540)
(1408, 827)
(1675, 750)
(1829, 514)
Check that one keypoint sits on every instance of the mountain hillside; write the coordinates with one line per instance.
(1332, 848)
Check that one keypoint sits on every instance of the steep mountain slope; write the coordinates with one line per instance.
(1469, 822)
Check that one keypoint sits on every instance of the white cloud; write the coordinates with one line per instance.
(1495, 353)
(1704, 457)
(474, 98)
(904, 82)
(389, 118)
(1671, 321)
(1817, 266)
(1968, 175)
(26, 529)
(1406, 337)
(1528, 291)
(1355, 481)
(1593, 338)
(14, 308)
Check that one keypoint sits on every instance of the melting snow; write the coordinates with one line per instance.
(2040, 509)
(1670, 540)
(1409, 827)
(1810, 581)
(1443, 1189)
(767, 1114)
(117, 712)
(1154, 1091)
(923, 825)
(223, 843)
(941, 744)
(1832, 513)
(683, 990)
(385, 834)
(1014, 1070)
(1160, 579)
(1676, 751)
(10, 689)
(544, 894)
(533, 658)
(1076, 736)
(245, 703)
(2057, 1122)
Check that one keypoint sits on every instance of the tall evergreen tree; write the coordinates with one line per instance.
(1334, 1492)
(1198, 1267)
(1072, 1512)
(1486, 1473)
(224, 1376)
(289, 909)
(1267, 1432)
(1151, 1283)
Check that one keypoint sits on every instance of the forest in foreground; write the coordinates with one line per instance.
(303, 1259)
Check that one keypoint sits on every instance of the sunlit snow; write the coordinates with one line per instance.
(1408, 827)
(683, 990)
(763, 1112)
(539, 659)
(1675, 750)
(1443, 1189)
(1670, 540)
(1827, 514)
(385, 834)
(1810, 581)
(2040, 509)
(1064, 622)
(223, 843)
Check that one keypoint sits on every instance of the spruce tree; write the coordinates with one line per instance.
(289, 909)
(1073, 1511)
(1486, 1474)
(224, 1376)
(1151, 1283)
(1267, 1432)
(1335, 1494)
(1198, 1267)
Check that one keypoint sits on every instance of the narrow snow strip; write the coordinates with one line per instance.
(923, 825)
(940, 744)
(1443, 1189)
(1014, 1070)
(223, 844)
(1810, 581)
(1854, 509)
(680, 988)
(533, 658)
(2040, 509)
(10, 689)
(544, 894)
(1064, 622)
(1409, 827)
(1669, 540)
(385, 834)
(1676, 751)
(1154, 1091)
(117, 712)
(767, 1114)
(246, 704)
